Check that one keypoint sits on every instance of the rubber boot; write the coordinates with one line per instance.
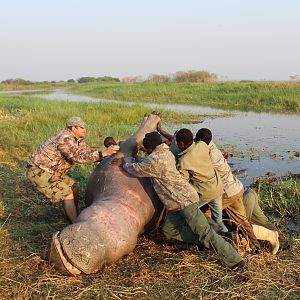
(263, 233)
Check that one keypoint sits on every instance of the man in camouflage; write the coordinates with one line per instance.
(48, 165)
(184, 220)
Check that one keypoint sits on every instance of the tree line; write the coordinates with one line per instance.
(180, 76)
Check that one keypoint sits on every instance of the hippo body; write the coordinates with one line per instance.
(121, 208)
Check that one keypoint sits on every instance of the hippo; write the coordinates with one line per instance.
(120, 208)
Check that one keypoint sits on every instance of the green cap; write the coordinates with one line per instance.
(76, 121)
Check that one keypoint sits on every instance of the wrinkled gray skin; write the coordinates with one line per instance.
(121, 208)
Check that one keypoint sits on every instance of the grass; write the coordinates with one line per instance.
(32, 86)
(279, 97)
(282, 97)
(281, 197)
(157, 269)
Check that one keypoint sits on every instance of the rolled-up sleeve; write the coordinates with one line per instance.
(77, 153)
(140, 169)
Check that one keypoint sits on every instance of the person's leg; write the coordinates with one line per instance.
(70, 208)
(253, 211)
(208, 237)
(216, 208)
(175, 227)
(76, 193)
(56, 188)
(235, 209)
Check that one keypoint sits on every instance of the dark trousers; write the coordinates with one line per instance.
(191, 226)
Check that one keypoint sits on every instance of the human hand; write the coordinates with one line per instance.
(225, 154)
(111, 150)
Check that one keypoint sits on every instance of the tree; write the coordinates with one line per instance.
(108, 78)
(86, 79)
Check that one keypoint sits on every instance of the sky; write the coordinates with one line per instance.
(68, 39)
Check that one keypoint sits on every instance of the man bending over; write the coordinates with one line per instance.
(48, 165)
(184, 220)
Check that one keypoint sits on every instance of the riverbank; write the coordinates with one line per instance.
(280, 97)
(257, 143)
(156, 269)
(283, 97)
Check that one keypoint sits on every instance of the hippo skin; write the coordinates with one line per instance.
(121, 208)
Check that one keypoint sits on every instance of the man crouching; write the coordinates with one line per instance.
(48, 165)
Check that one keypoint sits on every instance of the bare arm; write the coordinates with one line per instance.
(166, 134)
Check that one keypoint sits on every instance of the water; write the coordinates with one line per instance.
(260, 143)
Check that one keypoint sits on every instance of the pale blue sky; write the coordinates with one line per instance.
(63, 39)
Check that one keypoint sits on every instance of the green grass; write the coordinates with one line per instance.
(280, 97)
(282, 197)
(32, 86)
(23, 117)
(283, 97)
(156, 269)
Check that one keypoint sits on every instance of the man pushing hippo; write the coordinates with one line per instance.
(122, 206)
(180, 199)
(48, 165)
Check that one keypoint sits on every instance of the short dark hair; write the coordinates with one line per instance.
(108, 141)
(185, 136)
(204, 134)
(152, 140)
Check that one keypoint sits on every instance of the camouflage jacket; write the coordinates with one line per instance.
(232, 185)
(60, 152)
(170, 186)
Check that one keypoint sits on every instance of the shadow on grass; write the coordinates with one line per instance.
(29, 218)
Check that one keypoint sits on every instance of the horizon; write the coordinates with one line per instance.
(62, 40)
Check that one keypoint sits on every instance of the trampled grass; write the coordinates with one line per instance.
(157, 269)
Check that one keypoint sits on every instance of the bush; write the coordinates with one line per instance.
(194, 76)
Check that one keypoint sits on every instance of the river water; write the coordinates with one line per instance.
(259, 143)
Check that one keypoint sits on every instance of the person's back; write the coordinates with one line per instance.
(232, 185)
(196, 166)
(168, 183)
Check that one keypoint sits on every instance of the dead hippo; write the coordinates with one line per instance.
(121, 208)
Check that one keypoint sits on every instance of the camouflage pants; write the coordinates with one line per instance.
(191, 226)
(53, 186)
